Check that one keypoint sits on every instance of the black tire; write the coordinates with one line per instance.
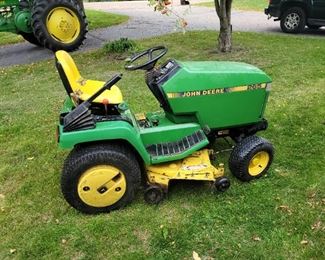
(81, 159)
(154, 195)
(40, 15)
(293, 20)
(314, 27)
(30, 37)
(222, 184)
(242, 156)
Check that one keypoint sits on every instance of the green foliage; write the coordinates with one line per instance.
(120, 46)
(280, 216)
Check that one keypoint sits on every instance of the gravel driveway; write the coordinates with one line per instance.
(144, 23)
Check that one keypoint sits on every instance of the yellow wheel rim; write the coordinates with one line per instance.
(101, 186)
(63, 25)
(258, 163)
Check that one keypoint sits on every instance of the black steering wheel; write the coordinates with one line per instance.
(152, 60)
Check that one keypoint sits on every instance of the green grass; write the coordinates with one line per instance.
(247, 5)
(267, 218)
(97, 19)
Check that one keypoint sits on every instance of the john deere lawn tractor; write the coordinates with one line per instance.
(114, 150)
(54, 24)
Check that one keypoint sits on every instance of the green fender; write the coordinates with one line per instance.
(105, 131)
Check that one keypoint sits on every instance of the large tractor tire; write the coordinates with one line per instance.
(59, 24)
(30, 37)
(100, 178)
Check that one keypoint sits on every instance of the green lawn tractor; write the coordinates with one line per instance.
(114, 151)
(54, 24)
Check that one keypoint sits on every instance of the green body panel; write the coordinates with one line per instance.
(4, 3)
(166, 131)
(207, 90)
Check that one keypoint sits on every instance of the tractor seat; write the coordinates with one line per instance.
(81, 89)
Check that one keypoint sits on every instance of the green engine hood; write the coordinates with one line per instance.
(218, 94)
(202, 75)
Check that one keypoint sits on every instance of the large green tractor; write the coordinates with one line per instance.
(54, 24)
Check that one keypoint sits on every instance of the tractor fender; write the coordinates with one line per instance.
(105, 131)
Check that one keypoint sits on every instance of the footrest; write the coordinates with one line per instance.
(173, 148)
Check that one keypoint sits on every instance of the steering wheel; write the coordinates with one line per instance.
(152, 60)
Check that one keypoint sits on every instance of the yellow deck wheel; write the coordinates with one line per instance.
(101, 186)
(63, 25)
(258, 163)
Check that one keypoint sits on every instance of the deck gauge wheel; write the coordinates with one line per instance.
(153, 194)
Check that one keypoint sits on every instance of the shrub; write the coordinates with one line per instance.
(120, 46)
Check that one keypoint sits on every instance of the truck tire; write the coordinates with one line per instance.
(100, 178)
(59, 24)
(293, 20)
(251, 158)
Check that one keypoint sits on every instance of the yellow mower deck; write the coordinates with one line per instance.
(195, 167)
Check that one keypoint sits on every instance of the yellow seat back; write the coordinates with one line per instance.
(80, 87)
(69, 68)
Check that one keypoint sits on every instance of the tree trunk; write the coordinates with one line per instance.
(223, 9)
(225, 37)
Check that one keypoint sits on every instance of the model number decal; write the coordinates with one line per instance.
(215, 91)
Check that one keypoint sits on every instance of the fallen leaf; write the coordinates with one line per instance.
(285, 208)
(57, 221)
(13, 250)
(312, 195)
(304, 242)
(196, 256)
(30, 158)
(63, 241)
(316, 225)
(256, 238)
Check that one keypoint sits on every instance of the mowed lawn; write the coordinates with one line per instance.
(96, 19)
(280, 216)
(247, 5)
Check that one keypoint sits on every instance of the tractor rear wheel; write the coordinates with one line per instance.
(59, 24)
(251, 158)
(99, 178)
(30, 37)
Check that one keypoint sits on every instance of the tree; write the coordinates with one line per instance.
(223, 10)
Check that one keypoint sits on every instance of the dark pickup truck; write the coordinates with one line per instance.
(296, 14)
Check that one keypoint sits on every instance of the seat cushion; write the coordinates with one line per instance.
(86, 88)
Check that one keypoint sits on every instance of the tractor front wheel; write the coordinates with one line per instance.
(251, 158)
(100, 178)
(59, 24)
